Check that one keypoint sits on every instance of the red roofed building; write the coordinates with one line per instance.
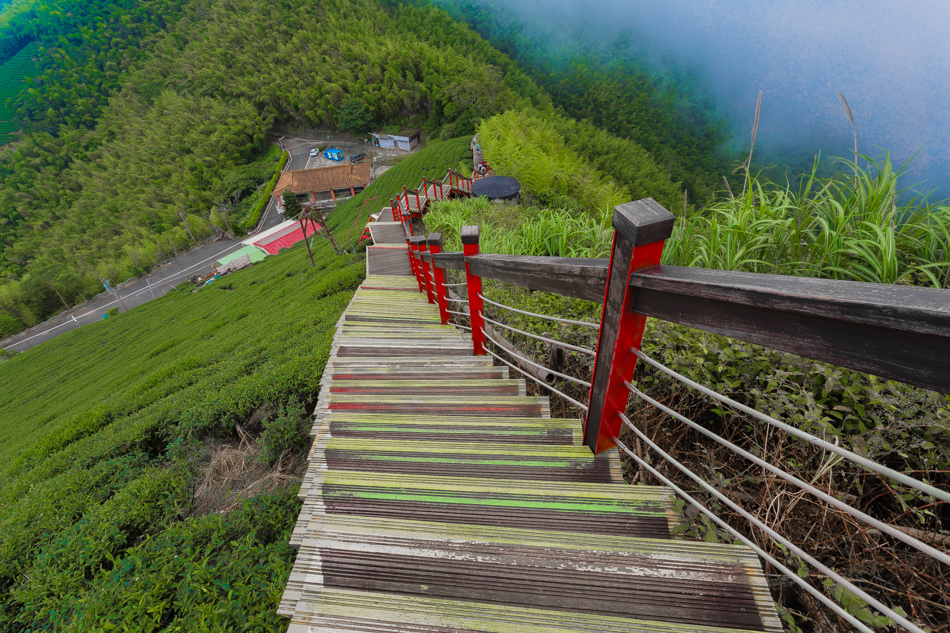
(323, 185)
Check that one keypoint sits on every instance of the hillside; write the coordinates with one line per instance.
(97, 189)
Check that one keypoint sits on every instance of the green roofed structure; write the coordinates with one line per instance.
(253, 252)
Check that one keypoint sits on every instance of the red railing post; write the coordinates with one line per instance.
(397, 212)
(418, 207)
(438, 276)
(474, 283)
(426, 278)
(641, 229)
(414, 243)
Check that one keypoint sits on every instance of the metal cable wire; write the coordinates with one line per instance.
(583, 350)
(844, 507)
(455, 285)
(827, 571)
(595, 326)
(547, 369)
(828, 446)
(456, 300)
(462, 327)
(526, 374)
(461, 314)
(737, 535)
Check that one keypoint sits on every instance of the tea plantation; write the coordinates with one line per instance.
(101, 434)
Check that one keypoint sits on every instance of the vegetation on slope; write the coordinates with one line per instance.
(613, 84)
(555, 157)
(106, 201)
(839, 228)
(105, 434)
(13, 74)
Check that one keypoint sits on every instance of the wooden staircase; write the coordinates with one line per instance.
(440, 498)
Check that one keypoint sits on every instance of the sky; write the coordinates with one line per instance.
(889, 58)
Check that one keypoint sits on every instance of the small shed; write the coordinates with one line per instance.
(403, 139)
(334, 154)
(497, 188)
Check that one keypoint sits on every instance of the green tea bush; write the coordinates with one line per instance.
(288, 432)
(96, 524)
(265, 198)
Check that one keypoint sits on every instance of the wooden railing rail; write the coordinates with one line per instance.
(896, 332)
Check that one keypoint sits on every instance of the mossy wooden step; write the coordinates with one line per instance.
(333, 610)
(542, 462)
(419, 373)
(643, 511)
(507, 406)
(374, 351)
(655, 579)
(444, 388)
(432, 428)
(397, 363)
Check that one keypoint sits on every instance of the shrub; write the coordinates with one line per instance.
(265, 198)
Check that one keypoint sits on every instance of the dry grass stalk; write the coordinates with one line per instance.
(235, 473)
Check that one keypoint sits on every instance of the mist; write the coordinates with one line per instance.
(891, 60)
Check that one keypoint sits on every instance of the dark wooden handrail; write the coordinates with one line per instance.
(897, 332)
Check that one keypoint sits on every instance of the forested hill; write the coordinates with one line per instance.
(95, 186)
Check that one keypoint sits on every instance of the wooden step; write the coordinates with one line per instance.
(642, 511)
(462, 459)
(332, 610)
(444, 388)
(420, 373)
(664, 580)
(429, 428)
(508, 406)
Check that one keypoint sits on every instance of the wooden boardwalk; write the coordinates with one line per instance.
(440, 498)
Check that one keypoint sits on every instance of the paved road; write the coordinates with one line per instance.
(133, 293)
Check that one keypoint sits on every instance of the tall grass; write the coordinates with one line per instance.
(837, 228)
(833, 228)
(522, 230)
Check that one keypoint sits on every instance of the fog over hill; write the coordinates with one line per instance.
(890, 60)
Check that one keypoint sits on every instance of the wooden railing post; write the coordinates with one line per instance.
(426, 278)
(414, 242)
(474, 283)
(641, 229)
(438, 276)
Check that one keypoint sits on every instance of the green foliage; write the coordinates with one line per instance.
(615, 85)
(13, 74)
(289, 432)
(528, 147)
(95, 509)
(263, 201)
(355, 117)
(101, 193)
(836, 228)
(522, 230)
(292, 206)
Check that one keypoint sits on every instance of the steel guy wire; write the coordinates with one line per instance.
(827, 571)
(595, 326)
(844, 507)
(583, 350)
(828, 446)
(526, 374)
(736, 534)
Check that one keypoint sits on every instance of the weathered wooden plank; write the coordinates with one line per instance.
(449, 261)
(567, 276)
(896, 332)
(324, 611)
